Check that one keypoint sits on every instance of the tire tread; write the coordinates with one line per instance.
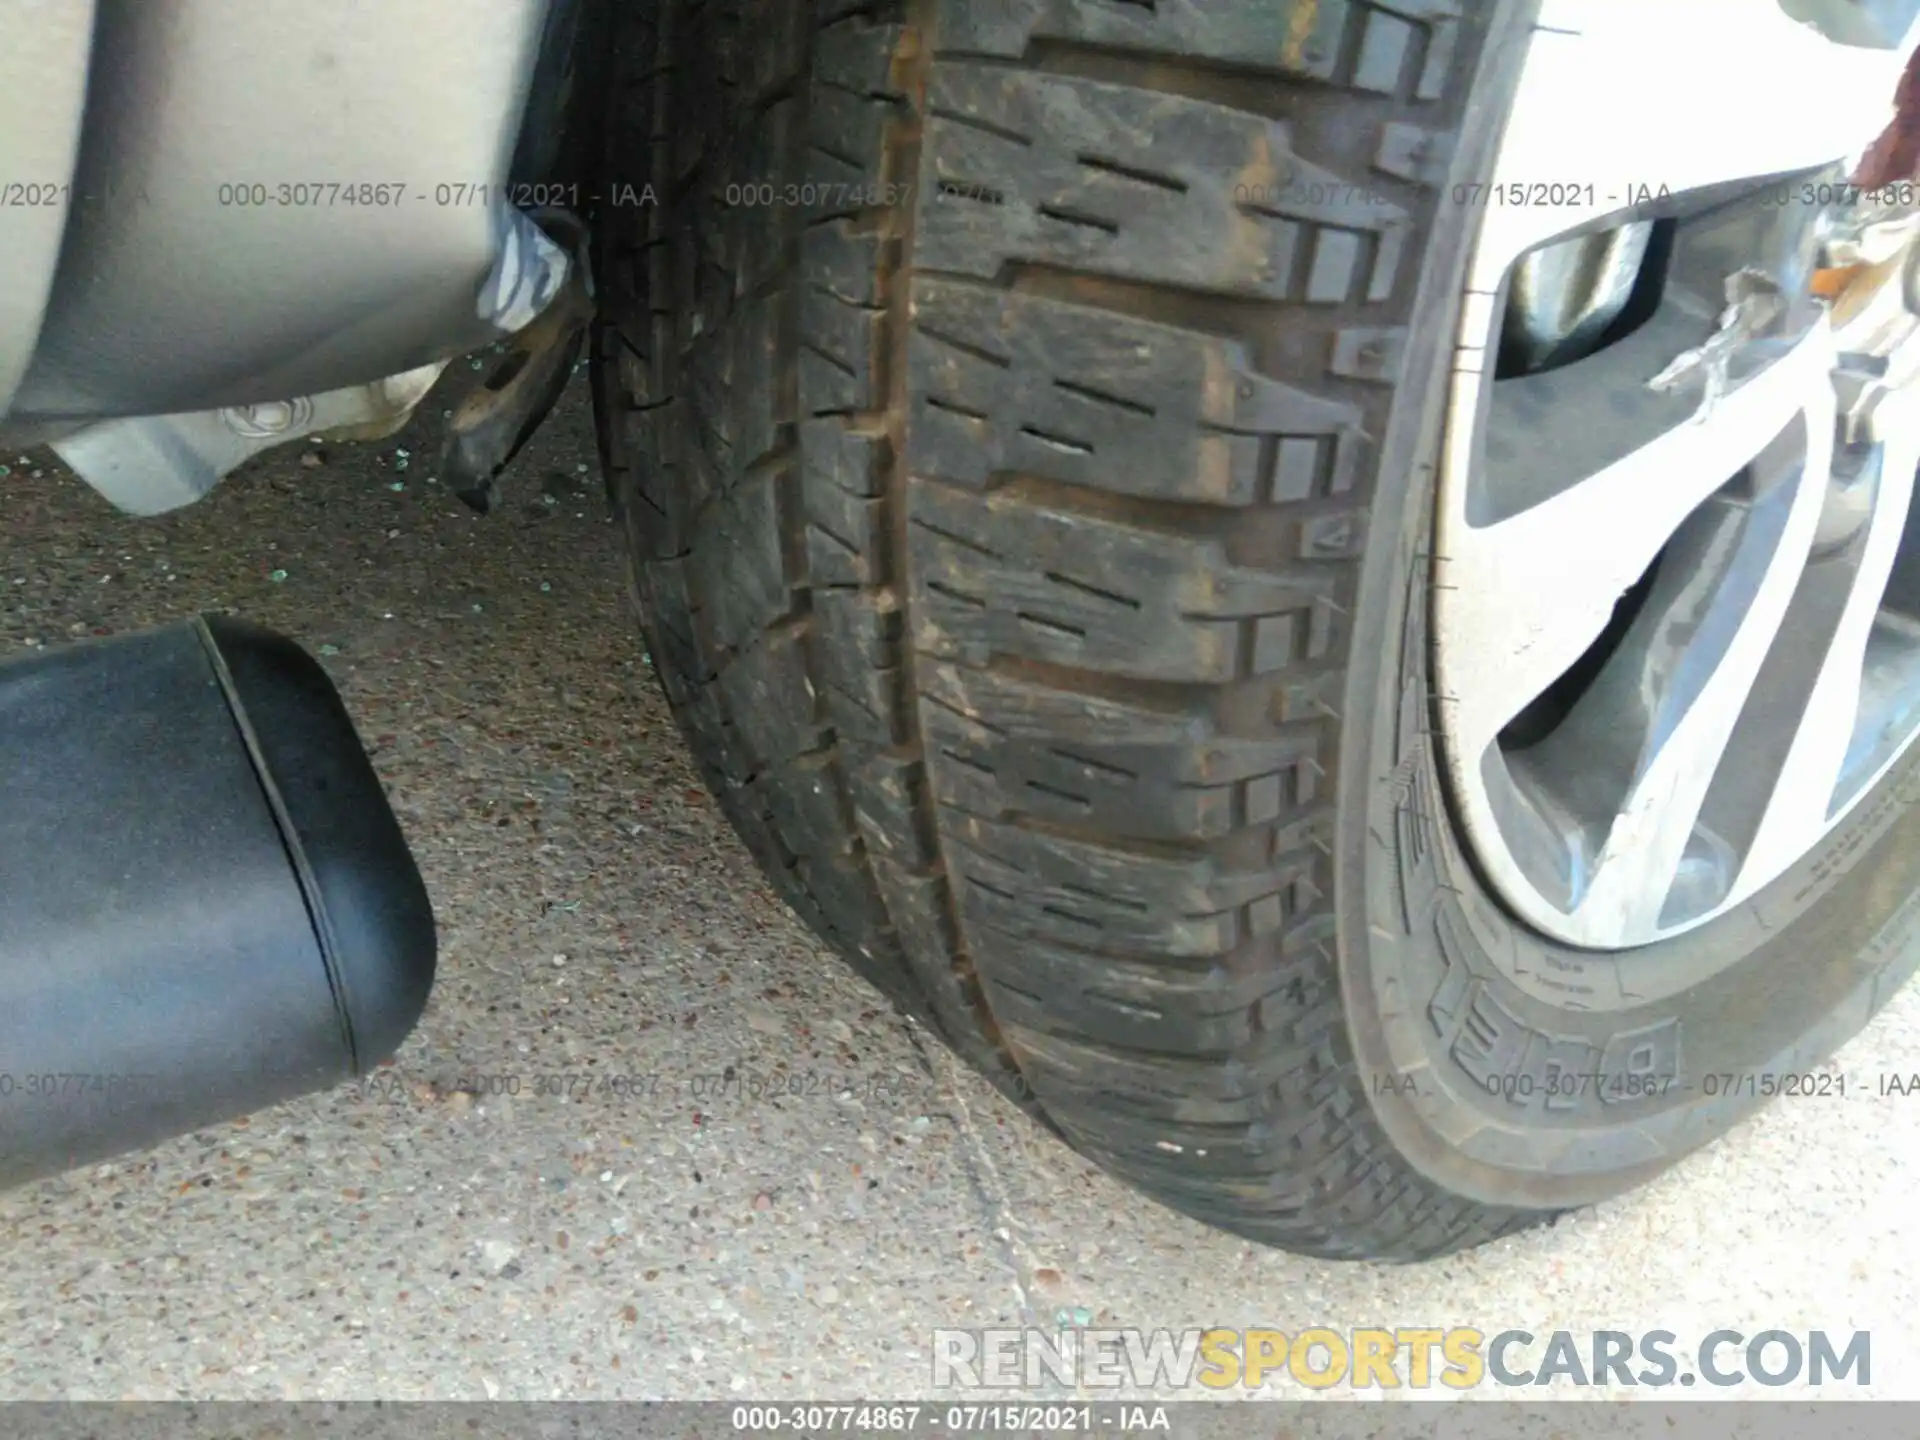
(996, 546)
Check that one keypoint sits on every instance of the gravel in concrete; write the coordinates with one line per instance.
(728, 1169)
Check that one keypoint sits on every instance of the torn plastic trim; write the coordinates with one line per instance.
(148, 465)
(529, 271)
(155, 463)
(494, 423)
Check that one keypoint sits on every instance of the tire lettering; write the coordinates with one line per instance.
(1490, 1042)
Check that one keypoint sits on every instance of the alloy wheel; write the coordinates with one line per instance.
(1676, 601)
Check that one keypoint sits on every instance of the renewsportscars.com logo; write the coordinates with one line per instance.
(1415, 1358)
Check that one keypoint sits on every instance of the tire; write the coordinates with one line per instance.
(1034, 557)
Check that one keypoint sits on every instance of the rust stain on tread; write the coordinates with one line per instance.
(906, 72)
(1306, 13)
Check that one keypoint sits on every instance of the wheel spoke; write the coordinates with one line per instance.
(1706, 642)
(1802, 797)
(1697, 112)
(1659, 629)
(1524, 598)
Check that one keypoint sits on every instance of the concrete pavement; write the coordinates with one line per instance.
(651, 1140)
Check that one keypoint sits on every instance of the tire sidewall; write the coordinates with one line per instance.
(1506, 1067)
